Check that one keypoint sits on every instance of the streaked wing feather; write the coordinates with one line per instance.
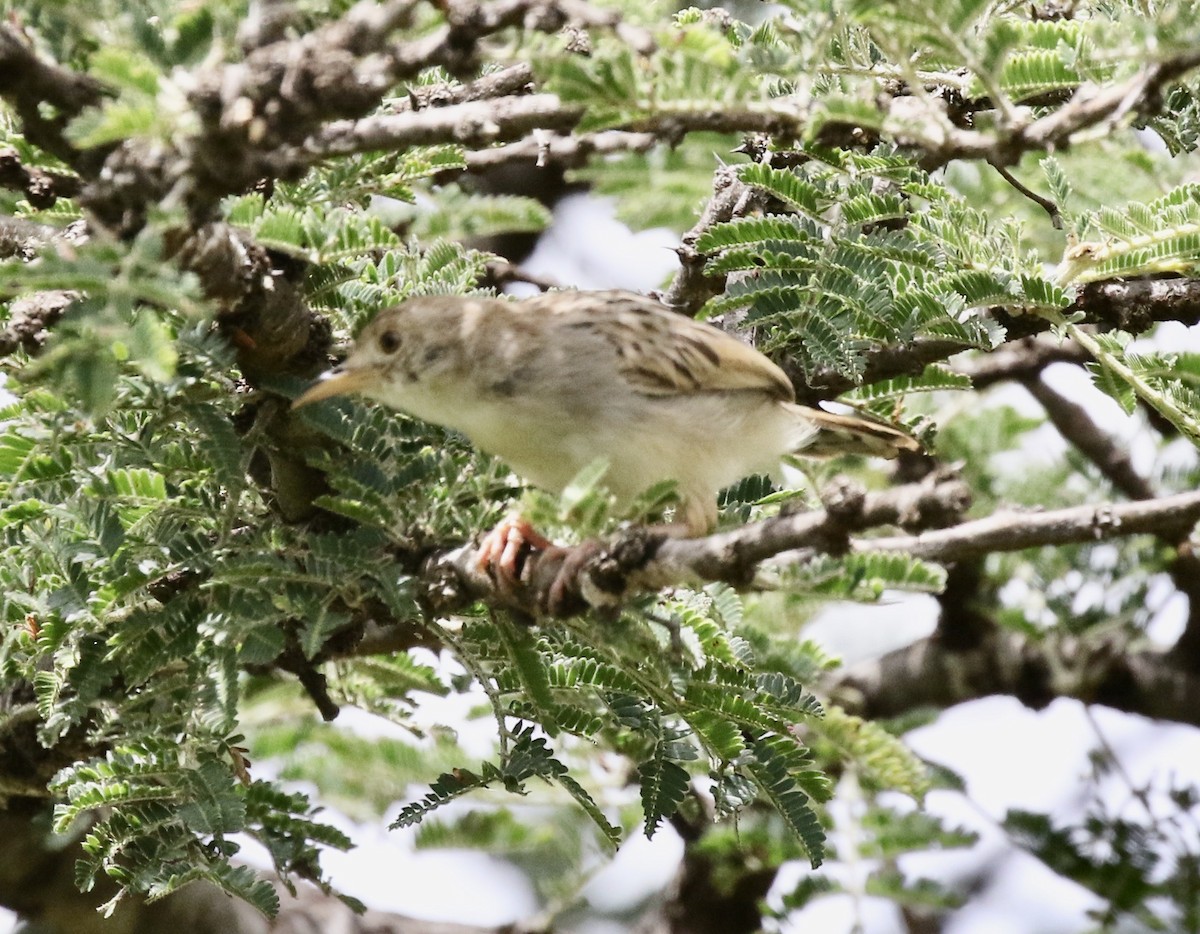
(664, 353)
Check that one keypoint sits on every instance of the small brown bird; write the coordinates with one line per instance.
(553, 383)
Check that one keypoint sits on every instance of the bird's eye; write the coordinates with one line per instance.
(389, 341)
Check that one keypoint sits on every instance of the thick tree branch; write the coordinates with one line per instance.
(931, 673)
(45, 96)
(642, 560)
(1077, 427)
(1136, 305)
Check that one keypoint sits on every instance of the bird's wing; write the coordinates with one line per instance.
(662, 353)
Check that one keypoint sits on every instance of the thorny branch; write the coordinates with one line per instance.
(644, 560)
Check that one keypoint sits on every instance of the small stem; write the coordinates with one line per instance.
(1044, 203)
(1147, 393)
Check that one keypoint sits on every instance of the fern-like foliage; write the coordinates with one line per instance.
(152, 594)
(867, 253)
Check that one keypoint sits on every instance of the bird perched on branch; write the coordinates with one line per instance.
(551, 384)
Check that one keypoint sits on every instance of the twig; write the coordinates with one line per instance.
(1044, 203)
(502, 272)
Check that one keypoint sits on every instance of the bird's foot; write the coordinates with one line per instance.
(564, 597)
(504, 551)
(505, 548)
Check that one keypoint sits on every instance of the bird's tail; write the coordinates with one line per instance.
(853, 434)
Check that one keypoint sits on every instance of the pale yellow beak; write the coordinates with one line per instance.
(336, 382)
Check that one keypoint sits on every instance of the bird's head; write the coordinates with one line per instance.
(401, 350)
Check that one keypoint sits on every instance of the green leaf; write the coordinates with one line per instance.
(663, 785)
(935, 378)
(532, 670)
(788, 187)
(611, 835)
(774, 774)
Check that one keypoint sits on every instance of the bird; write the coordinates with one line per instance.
(554, 383)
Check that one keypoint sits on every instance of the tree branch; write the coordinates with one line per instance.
(29, 82)
(914, 122)
(30, 319)
(692, 287)
(1021, 359)
(568, 152)
(37, 879)
(1169, 516)
(1078, 428)
(646, 559)
(507, 82)
(930, 673)
(41, 187)
(474, 123)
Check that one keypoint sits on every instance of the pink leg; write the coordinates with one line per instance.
(502, 547)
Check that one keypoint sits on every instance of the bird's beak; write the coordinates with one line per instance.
(335, 382)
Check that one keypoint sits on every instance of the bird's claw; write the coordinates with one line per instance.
(505, 549)
(564, 597)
